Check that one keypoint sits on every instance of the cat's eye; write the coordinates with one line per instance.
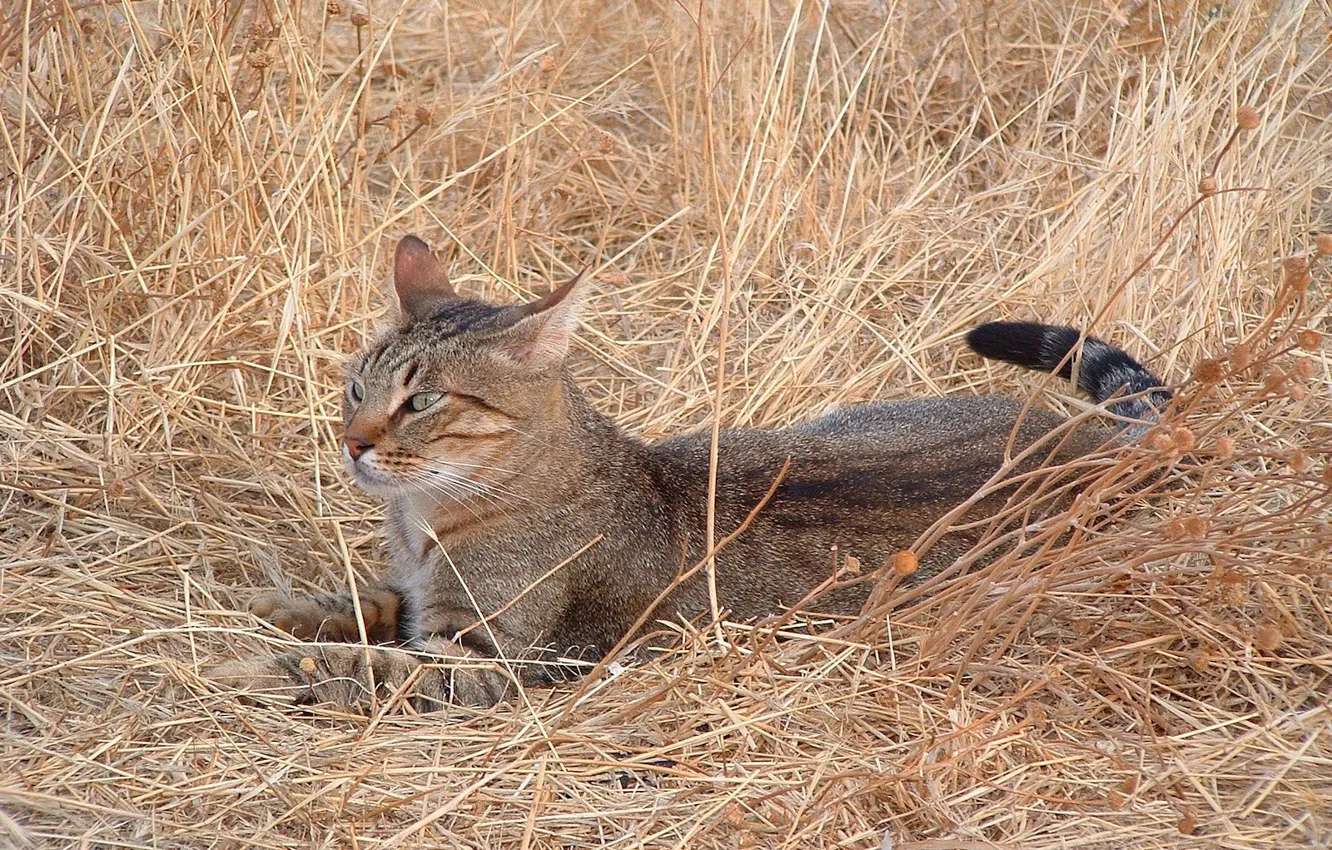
(421, 401)
(355, 392)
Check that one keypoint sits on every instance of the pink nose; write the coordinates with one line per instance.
(356, 446)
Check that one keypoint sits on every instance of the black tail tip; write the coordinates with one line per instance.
(1021, 343)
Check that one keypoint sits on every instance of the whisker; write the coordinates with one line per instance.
(439, 476)
(478, 487)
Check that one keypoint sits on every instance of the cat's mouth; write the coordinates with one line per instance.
(366, 473)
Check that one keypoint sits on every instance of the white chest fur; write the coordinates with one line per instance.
(410, 547)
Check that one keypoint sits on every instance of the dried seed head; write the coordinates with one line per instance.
(1295, 273)
(1275, 382)
(905, 563)
(1184, 439)
(1300, 461)
(1309, 339)
(423, 115)
(1225, 446)
(1304, 367)
(308, 666)
(1209, 371)
(1188, 825)
(1247, 118)
(359, 18)
(1198, 660)
(1232, 587)
(258, 59)
(1161, 441)
(334, 8)
(547, 64)
(1207, 187)
(1266, 637)
(853, 565)
(1177, 529)
(1195, 526)
(1241, 356)
(1323, 243)
(1037, 714)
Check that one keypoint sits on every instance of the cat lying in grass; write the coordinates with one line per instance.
(525, 527)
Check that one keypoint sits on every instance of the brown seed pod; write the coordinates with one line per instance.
(1267, 637)
(1209, 371)
(1323, 243)
(1241, 356)
(1309, 340)
(905, 563)
(1295, 265)
(1300, 461)
(1225, 446)
(1275, 382)
(1183, 438)
(1188, 825)
(1207, 187)
(1247, 118)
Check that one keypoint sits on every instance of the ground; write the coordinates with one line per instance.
(199, 202)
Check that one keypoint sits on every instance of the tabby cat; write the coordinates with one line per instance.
(510, 496)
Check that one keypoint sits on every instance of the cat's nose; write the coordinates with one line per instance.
(356, 446)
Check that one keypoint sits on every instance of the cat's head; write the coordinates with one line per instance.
(447, 399)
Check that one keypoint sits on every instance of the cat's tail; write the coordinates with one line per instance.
(1104, 371)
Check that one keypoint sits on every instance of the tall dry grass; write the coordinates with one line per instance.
(199, 198)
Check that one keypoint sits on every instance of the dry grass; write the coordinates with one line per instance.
(198, 201)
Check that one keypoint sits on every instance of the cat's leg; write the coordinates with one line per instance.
(444, 673)
(332, 616)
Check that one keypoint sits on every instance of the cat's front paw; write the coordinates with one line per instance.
(261, 676)
(307, 618)
(350, 676)
(334, 673)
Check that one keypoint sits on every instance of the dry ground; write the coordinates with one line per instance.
(199, 198)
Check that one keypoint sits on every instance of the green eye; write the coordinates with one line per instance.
(421, 401)
(355, 391)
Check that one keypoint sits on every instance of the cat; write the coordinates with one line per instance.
(510, 495)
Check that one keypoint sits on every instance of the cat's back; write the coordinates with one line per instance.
(873, 431)
(920, 423)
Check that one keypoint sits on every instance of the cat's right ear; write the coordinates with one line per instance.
(419, 279)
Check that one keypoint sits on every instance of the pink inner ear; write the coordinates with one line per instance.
(419, 278)
(542, 335)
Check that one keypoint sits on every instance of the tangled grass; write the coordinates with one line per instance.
(786, 206)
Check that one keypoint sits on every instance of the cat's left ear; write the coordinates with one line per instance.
(419, 279)
(542, 330)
